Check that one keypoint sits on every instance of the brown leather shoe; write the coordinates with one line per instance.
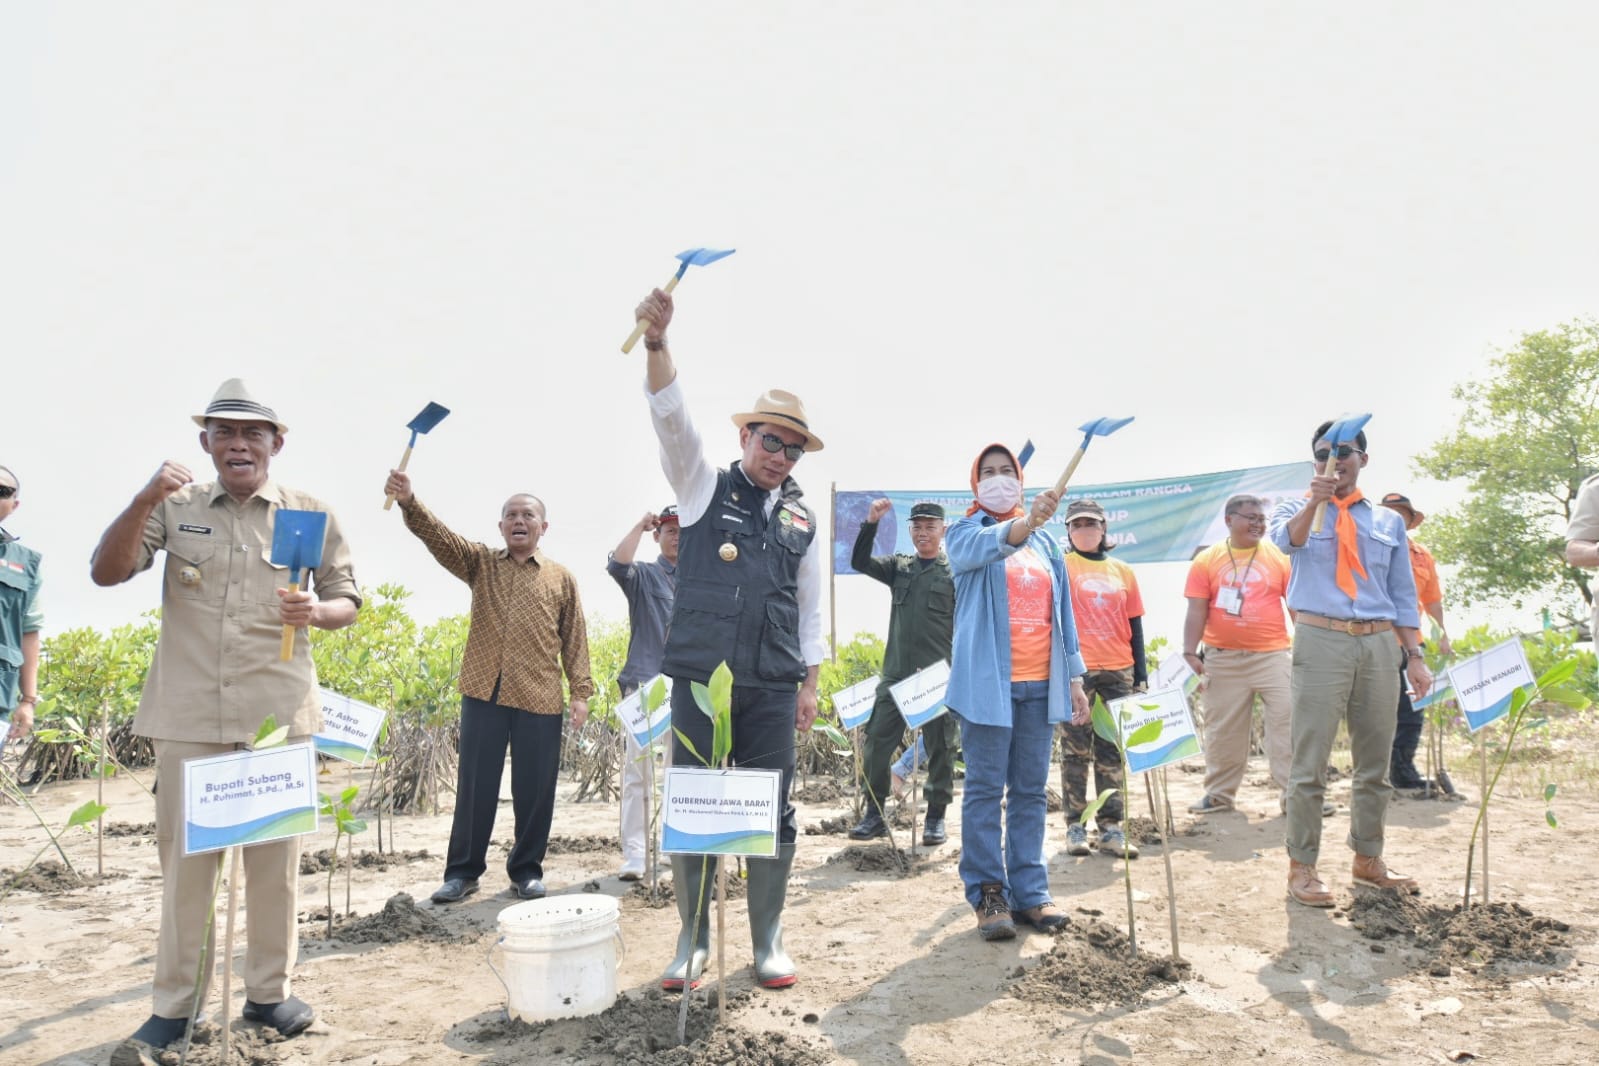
(1371, 871)
(993, 915)
(1305, 887)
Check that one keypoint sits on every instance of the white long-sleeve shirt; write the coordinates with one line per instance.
(693, 480)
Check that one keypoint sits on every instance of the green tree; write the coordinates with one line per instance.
(1528, 437)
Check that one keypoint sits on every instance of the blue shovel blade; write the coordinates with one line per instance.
(297, 539)
(1102, 427)
(701, 256)
(1346, 429)
(431, 416)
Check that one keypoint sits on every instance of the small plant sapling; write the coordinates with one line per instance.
(85, 814)
(1112, 727)
(345, 824)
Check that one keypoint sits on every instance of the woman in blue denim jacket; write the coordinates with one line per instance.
(1015, 673)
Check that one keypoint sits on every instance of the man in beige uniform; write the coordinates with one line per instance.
(215, 678)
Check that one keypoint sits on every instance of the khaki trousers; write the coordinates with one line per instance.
(1232, 680)
(1338, 677)
(188, 885)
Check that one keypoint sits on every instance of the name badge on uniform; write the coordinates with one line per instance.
(1231, 600)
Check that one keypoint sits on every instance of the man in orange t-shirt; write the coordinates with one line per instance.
(1235, 591)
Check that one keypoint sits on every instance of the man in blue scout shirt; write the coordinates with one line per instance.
(1351, 590)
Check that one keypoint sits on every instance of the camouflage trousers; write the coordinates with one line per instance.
(1080, 747)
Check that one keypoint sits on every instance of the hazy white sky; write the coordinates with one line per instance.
(956, 223)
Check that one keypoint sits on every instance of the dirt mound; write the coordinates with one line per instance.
(819, 790)
(51, 878)
(1090, 966)
(130, 829)
(399, 920)
(640, 897)
(830, 826)
(883, 858)
(643, 1030)
(568, 845)
(317, 862)
(247, 1044)
(1491, 940)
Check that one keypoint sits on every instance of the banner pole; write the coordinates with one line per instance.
(832, 576)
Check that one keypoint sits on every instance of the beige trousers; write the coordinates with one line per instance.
(188, 885)
(1233, 678)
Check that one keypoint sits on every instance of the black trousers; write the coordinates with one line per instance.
(535, 742)
(763, 736)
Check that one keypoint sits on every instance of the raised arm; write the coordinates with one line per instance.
(117, 556)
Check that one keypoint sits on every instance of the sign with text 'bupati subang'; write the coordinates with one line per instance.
(248, 797)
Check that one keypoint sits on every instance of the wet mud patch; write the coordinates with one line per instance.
(819, 790)
(1491, 940)
(399, 920)
(639, 897)
(1091, 966)
(643, 1030)
(570, 845)
(317, 862)
(130, 829)
(51, 878)
(247, 1044)
(884, 858)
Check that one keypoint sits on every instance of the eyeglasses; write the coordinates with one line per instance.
(1252, 519)
(773, 443)
(1344, 452)
(7, 491)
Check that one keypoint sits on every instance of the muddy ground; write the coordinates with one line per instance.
(891, 970)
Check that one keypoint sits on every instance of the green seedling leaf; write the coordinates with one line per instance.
(355, 825)
(722, 688)
(1558, 673)
(689, 744)
(835, 734)
(1147, 733)
(270, 735)
(86, 814)
(702, 699)
(654, 696)
(1549, 792)
(348, 794)
(1566, 697)
(1092, 810)
(1549, 816)
(1104, 724)
(72, 724)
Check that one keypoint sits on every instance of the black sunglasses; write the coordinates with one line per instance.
(7, 491)
(1344, 452)
(773, 443)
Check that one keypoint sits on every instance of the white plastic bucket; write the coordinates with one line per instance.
(560, 956)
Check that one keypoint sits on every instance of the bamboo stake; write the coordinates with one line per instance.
(1165, 853)
(227, 951)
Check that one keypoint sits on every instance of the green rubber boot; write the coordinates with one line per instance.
(768, 890)
(693, 943)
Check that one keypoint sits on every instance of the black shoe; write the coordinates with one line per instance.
(291, 1017)
(532, 888)
(454, 890)
(933, 833)
(159, 1032)
(1405, 777)
(871, 827)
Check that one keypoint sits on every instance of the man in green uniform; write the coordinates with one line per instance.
(921, 626)
(20, 621)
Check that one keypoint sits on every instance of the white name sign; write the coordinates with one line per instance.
(920, 697)
(248, 797)
(720, 812)
(349, 728)
(854, 704)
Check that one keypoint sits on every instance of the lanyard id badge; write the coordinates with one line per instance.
(1231, 600)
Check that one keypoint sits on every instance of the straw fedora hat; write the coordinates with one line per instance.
(783, 408)
(234, 400)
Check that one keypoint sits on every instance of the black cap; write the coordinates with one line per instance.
(926, 509)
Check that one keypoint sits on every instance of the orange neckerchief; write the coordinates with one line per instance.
(1349, 563)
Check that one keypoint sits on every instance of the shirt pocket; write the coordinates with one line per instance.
(1379, 558)
(779, 656)
(195, 571)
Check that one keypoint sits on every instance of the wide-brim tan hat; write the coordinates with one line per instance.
(785, 409)
(234, 400)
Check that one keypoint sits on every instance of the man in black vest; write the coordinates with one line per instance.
(748, 593)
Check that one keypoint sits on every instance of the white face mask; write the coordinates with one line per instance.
(999, 493)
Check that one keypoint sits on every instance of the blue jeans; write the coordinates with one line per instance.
(1014, 759)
